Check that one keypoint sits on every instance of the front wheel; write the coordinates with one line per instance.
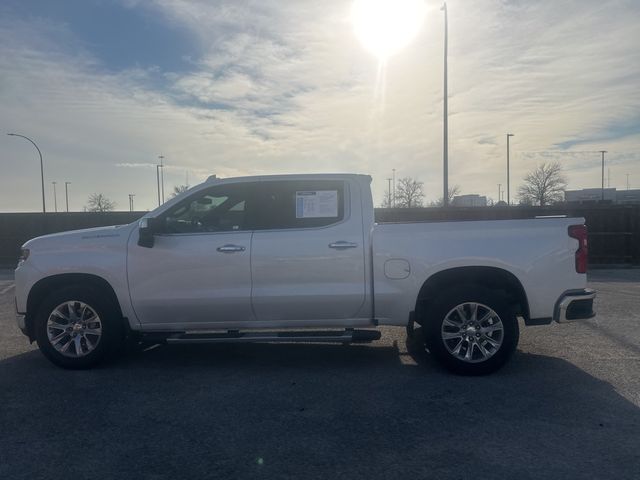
(76, 327)
(470, 330)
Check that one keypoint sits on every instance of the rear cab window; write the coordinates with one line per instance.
(299, 204)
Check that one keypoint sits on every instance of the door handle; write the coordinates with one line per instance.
(230, 248)
(342, 244)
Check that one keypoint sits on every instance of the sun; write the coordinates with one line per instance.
(386, 26)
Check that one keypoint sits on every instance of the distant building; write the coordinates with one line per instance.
(472, 200)
(628, 196)
(590, 195)
(611, 195)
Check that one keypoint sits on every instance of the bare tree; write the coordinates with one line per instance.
(453, 191)
(543, 185)
(409, 193)
(178, 189)
(387, 201)
(99, 203)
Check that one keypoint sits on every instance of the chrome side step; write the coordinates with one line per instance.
(234, 336)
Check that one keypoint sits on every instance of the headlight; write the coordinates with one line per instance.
(24, 254)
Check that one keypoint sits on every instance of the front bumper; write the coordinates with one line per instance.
(575, 305)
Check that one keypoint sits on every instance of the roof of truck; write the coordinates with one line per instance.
(290, 176)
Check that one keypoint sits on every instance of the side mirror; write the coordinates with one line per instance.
(147, 228)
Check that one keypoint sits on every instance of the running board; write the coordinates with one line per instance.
(234, 336)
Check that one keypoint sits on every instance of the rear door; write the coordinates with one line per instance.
(307, 257)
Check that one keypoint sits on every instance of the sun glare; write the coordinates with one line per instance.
(386, 26)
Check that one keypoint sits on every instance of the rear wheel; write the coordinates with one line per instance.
(76, 327)
(470, 330)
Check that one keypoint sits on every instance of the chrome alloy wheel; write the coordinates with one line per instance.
(74, 329)
(472, 332)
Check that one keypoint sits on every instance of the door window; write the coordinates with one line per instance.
(299, 204)
(219, 209)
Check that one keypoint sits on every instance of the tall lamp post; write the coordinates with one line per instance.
(158, 167)
(509, 135)
(66, 194)
(161, 157)
(602, 190)
(445, 130)
(394, 188)
(55, 197)
(44, 210)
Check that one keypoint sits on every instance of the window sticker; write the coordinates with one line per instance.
(317, 204)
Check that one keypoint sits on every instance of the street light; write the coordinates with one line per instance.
(603, 152)
(66, 193)
(44, 210)
(55, 197)
(394, 188)
(445, 129)
(131, 195)
(158, 167)
(161, 157)
(508, 194)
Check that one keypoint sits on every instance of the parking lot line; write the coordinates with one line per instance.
(6, 289)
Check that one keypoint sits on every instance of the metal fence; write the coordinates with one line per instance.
(614, 230)
(17, 228)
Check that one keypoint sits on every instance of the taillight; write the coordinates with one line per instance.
(579, 232)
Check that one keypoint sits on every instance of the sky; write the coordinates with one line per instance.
(273, 86)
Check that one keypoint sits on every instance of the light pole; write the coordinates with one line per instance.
(44, 210)
(394, 187)
(55, 197)
(389, 193)
(602, 190)
(445, 145)
(66, 193)
(131, 195)
(161, 157)
(158, 167)
(508, 192)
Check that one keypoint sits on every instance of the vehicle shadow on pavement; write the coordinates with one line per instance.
(311, 411)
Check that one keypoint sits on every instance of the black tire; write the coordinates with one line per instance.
(435, 313)
(111, 324)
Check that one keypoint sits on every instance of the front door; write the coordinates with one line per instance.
(198, 273)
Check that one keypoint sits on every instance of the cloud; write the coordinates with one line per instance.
(285, 87)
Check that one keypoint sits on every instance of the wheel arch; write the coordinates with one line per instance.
(45, 286)
(489, 277)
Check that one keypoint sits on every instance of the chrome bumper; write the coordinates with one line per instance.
(575, 305)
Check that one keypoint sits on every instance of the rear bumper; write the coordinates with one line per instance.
(575, 305)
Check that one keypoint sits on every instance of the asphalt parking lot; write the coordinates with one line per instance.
(566, 406)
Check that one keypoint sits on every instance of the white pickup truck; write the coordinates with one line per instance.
(299, 258)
